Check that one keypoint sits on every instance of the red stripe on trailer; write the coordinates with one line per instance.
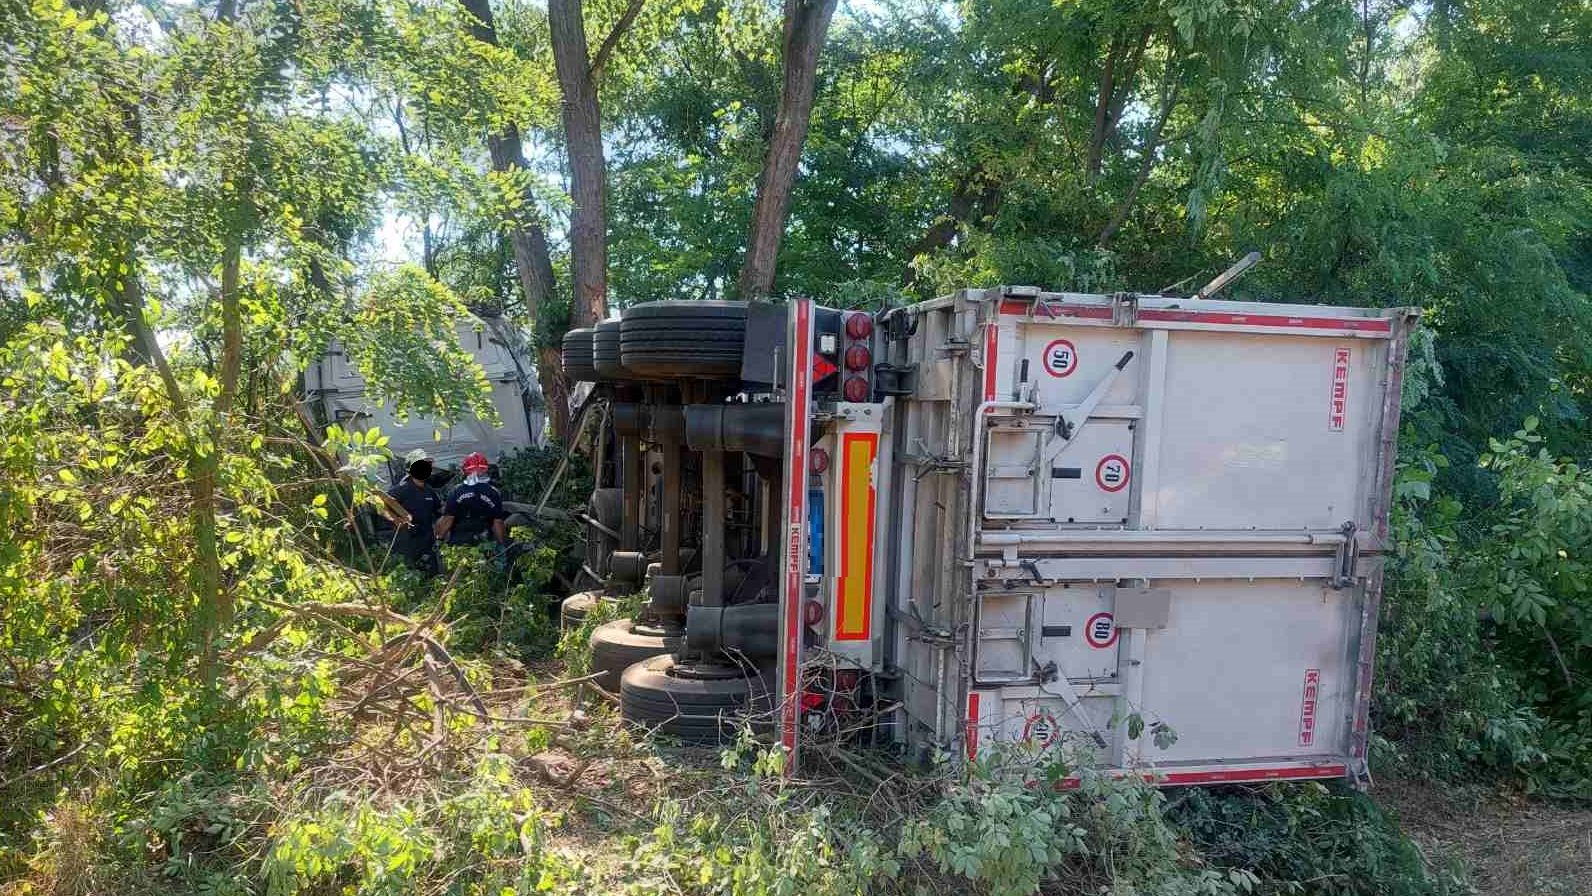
(1233, 775)
(795, 521)
(992, 339)
(1057, 310)
(1229, 318)
(970, 731)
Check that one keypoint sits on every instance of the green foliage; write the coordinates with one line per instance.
(788, 843)
(492, 609)
(404, 340)
(1483, 652)
(574, 644)
(1306, 838)
(188, 202)
(1013, 826)
(786, 852)
(1446, 705)
(525, 476)
(1530, 576)
(489, 837)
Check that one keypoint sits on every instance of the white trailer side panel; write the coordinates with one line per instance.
(1137, 507)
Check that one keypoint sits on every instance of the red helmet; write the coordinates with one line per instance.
(475, 463)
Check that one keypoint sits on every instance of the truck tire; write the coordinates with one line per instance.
(605, 353)
(683, 702)
(573, 609)
(684, 339)
(578, 360)
(617, 645)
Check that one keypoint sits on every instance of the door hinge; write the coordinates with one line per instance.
(1348, 557)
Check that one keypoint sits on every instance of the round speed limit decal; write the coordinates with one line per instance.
(1061, 358)
(1041, 729)
(1111, 474)
(1100, 631)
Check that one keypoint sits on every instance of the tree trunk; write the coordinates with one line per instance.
(806, 23)
(533, 263)
(588, 219)
(555, 390)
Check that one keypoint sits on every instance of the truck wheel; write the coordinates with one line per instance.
(617, 645)
(578, 360)
(695, 702)
(684, 339)
(605, 353)
(573, 609)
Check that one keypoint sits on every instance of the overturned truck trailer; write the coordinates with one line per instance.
(1017, 516)
(1103, 508)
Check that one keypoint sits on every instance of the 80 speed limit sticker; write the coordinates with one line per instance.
(1100, 631)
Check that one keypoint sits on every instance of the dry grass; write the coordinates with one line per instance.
(1512, 845)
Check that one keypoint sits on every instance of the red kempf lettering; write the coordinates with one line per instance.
(1307, 708)
(1338, 411)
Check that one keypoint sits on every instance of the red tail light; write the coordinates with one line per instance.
(818, 461)
(855, 389)
(812, 612)
(859, 325)
(858, 358)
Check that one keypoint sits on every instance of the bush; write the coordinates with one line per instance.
(487, 836)
(1009, 829)
(525, 475)
(1306, 838)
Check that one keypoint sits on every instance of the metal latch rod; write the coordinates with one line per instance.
(1069, 428)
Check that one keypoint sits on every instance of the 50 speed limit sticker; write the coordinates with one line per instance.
(1060, 358)
(1111, 474)
(1041, 729)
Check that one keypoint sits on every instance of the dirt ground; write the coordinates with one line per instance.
(1508, 844)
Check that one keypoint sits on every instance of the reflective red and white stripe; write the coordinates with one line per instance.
(1231, 775)
(796, 426)
(1060, 311)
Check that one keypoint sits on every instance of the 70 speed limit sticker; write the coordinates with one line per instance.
(1111, 474)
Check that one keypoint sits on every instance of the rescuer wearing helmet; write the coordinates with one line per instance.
(415, 541)
(475, 509)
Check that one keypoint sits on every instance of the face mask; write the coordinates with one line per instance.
(420, 469)
(477, 478)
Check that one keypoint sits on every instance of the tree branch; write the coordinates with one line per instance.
(231, 328)
(606, 49)
(1152, 142)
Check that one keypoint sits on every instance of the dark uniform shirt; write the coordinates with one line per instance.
(416, 541)
(473, 508)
